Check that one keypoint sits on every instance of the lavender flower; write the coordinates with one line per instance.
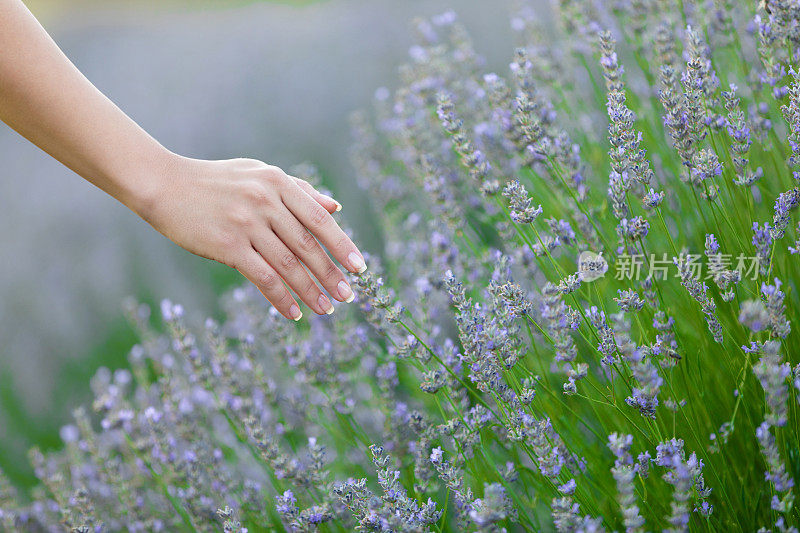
(762, 241)
(705, 166)
(725, 278)
(791, 113)
(699, 292)
(493, 508)
(776, 473)
(786, 202)
(686, 477)
(566, 517)
(522, 211)
(628, 161)
(653, 199)
(739, 131)
(629, 300)
(644, 396)
(472, 158)
(634, 229)
(776, 310)
(608, 345)
(796, 248)
(623, 472)
(773, 374)
(754, 315)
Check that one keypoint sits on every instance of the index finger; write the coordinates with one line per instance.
(323, 199)
(319, 222)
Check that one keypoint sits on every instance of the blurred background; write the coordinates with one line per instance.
(209, 79)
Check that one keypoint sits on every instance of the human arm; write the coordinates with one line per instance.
(240, 212)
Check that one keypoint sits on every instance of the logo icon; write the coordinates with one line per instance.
(591, 266)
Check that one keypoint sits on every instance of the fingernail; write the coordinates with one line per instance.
(325, 304)
(356, 262)
(338, 206)
(345, 291)
(295, 313)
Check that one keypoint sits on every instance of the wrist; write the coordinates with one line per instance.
(147, 188)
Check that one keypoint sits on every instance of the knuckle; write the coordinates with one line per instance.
(289, 260)
(266, 280)
(227, 241)
(241, 218)
(257, 193)
(275, 175)
(311, 291)
(318, 215)
(307, 241)
(304, 185)
(245, 163)
(332, 272)
(342, 243)
(285, 299)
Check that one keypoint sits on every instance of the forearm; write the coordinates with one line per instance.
(46, 99)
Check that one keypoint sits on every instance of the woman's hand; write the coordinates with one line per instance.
(258, 220)
(242, 212)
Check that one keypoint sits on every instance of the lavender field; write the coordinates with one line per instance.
(201, 79)
(579, 313)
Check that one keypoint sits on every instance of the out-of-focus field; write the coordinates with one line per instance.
(210, 79)
(58, 9)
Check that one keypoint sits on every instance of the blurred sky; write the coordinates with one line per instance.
(209, 79)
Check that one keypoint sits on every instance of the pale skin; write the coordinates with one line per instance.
(244, 213)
